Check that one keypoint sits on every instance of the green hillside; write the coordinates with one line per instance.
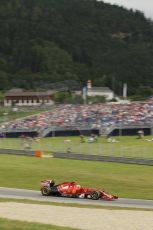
(45, 41)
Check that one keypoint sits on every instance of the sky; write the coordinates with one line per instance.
(146, 6)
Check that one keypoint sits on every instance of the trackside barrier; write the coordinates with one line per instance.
(36, 153)
(126, 160)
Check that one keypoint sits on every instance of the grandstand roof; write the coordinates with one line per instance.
(28, 93)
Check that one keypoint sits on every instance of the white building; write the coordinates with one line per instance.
(99, 91)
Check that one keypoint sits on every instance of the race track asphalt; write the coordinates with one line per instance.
(36, 195)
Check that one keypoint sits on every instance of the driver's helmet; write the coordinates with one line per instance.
(52, 182)
(78, 186)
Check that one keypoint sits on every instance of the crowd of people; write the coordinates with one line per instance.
(94, 116)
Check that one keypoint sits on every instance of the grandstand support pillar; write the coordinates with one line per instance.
(151, 131)
(120, 130)
(53, 132)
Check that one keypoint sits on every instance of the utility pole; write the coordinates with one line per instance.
(84, 95)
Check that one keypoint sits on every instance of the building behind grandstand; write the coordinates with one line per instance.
(99, 91)
(19, 97)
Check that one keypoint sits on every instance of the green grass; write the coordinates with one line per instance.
(124, 180)
(6, 224)
(128, 146)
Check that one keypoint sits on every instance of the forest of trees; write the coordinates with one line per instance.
(47, 41)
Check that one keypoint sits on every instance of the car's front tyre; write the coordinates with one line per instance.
(94, 195)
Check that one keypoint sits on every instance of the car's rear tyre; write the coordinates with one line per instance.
(45, 191)
(94, 195)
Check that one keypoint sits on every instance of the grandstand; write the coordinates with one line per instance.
(101, 119)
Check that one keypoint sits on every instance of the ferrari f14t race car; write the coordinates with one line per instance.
(73, 190)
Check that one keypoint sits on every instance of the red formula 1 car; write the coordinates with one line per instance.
(74, 190)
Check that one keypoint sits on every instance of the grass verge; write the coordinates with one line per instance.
(6, 224)
(123, 180)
